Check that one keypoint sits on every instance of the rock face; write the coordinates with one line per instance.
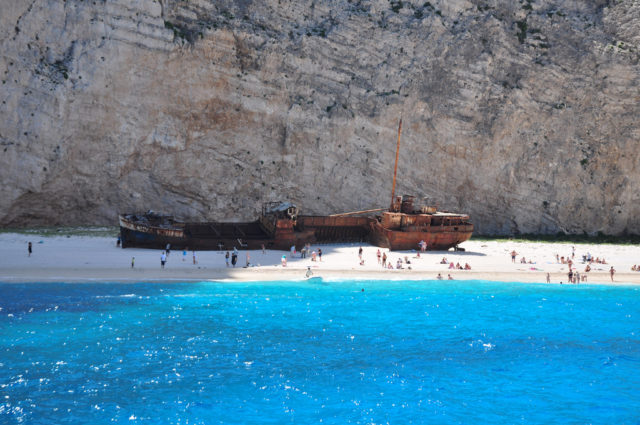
(522, 113)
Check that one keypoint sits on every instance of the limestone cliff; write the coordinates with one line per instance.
(522, 113)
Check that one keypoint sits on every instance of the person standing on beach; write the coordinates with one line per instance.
(133, 261)
(360, 253)
(234, 258)
(612, 271)
(29, 248)
(168, 249)
(513, 256)
(379, 255)
(548, 277)
(263, 251)
(423, 245)
(184, 254)
(226, 258)
(384, 259)
(163, 259)
(193, 253)
(319, 254)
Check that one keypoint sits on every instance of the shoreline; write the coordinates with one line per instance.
(212, 275)
(97, 259)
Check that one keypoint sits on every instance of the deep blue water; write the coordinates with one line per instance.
(323, 352)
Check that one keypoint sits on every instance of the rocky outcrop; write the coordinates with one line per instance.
(521, 113)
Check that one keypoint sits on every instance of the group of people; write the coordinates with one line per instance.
(523, 260)
(306, 250)
(164, 256)
(382, 258)
(423, 246)
(589, 259)
(231, 259)
(234, 257)
(399, 263)
(573, 275)
(585, 259)
(457, 266)
(576, 277)
(384, 261)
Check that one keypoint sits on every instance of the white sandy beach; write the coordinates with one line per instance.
(90, 259)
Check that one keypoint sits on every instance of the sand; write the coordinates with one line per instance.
(91, 259)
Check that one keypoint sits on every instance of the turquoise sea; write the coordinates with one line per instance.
(316, 352)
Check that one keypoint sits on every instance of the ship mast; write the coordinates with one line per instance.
(395, 168)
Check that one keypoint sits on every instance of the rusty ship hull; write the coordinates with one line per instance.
(155, 231)
(437, 237)
(335, 229)
(403, 227)
(439, 240)
(195, 236)
(395, 231)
